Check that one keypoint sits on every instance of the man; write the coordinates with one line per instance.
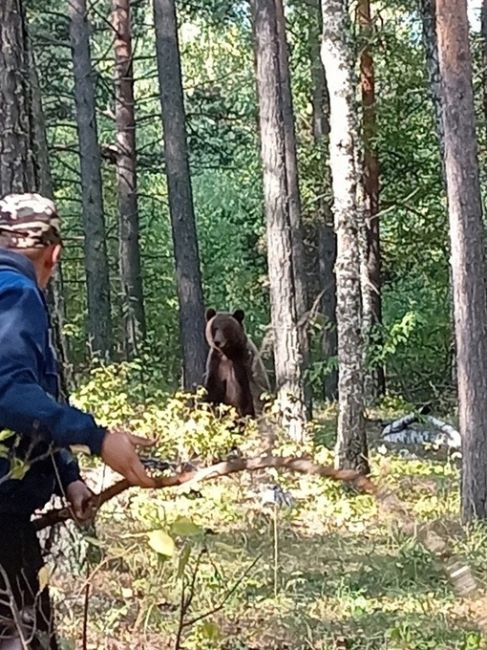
(35, 430)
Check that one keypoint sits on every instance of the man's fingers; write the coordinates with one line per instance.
(139, 476)
(139, 481)
(139, 441)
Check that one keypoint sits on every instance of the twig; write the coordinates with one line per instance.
(185, 603)
(85, 611)
(227, 596)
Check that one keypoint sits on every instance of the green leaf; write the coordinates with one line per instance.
(184, 527)
(161, 543)
(210, 630)
(5, 434)
(18, 470)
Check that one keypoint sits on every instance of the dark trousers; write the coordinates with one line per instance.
(21, 600)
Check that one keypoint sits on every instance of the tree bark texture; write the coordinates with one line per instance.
(284, 309)
(294, 198)
(95, 250)
(336, 51)
(129, 251)
(483, 29)
(55, 290)
(17, 169)
(467, 249)
(326, 231)
(430, 44)
(371, 285)
(188, 273)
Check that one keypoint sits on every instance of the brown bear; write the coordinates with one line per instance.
(228, 371)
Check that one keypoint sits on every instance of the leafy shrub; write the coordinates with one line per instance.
(182, 424)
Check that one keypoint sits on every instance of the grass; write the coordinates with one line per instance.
(345, 579)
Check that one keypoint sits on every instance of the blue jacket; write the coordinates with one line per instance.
(28, 397)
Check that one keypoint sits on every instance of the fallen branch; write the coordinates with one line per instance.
(453, 435)
(399, 431)
(400, 425)
(225, 468)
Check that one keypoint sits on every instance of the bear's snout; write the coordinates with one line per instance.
(218, 339)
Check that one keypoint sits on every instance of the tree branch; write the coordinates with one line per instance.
(225, 468)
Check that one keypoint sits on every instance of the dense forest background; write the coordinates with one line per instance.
(222, 114)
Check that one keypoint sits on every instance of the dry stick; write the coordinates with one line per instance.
(435, 540)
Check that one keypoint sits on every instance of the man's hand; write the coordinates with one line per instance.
(118, 452)
(81, 499)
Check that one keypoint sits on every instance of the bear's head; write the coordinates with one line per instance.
(225, 332)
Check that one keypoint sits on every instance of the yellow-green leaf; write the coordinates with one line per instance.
(5, 434)
(43, 577)
(18, 470)
(210, 630)
(161, 543)
(93, 541)
(183, 560)
(184, 527)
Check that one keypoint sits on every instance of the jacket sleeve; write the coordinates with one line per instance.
(25, 407)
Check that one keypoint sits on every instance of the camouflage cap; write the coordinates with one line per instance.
(28, 221)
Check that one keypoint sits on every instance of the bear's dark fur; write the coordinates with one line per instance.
(227, 379)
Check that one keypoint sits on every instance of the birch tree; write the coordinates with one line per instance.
(336, 52)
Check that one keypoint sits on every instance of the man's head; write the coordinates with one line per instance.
(30, 226)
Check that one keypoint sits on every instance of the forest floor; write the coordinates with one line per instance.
(343, 578)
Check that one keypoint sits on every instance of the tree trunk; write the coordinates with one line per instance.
(17, 169)
(283, 292)
(371, 287)
(24, 162)
(468, 263)
(188, 274)
(55, 290)
(294, 198)
(351, 448)
(96, 260)
(129, 252)
(326, 231)
(430, 44)
(483, 29)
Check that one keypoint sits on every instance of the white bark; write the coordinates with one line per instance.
(336, 52)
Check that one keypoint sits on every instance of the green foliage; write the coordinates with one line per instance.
(221, 106)
(182, 424)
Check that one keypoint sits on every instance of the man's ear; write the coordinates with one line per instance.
(53, 256)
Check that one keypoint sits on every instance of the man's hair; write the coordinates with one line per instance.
(28, 222)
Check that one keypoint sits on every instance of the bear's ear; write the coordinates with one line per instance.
(239, 315)
(210, 313)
